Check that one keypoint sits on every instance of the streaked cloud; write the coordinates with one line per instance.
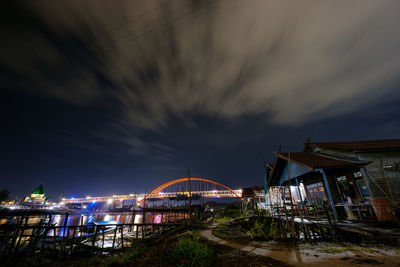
(291, 61)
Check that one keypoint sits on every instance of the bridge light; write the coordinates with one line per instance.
(109, 201)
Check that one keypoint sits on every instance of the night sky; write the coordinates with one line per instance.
(112, 97)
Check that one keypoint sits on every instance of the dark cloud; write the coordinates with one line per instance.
(151, 64)
(294, 62)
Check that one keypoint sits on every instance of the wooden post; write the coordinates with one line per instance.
(102, 243)
(73, 235)
(115, 236)
(94, 237)
(122, 236)
(329, 193)
(21, 233)
(291, 200)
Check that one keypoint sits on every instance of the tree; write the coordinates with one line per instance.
(4, 195)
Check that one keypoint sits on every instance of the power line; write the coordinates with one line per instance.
(106, 51)
(159, 27)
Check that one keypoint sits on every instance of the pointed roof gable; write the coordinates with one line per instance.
(303, 162)
(39, 190)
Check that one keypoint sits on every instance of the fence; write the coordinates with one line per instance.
(37, 241)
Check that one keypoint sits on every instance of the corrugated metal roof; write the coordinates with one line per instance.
(313, 161)
(385, 144)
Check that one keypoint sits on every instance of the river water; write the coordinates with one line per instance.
(64, 222)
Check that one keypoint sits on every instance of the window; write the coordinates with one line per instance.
(316, 193)
(342, 178)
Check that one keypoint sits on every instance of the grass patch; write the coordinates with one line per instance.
(369, 250)
(190, 252)
(127, 257)
(222, 219)
(218, 231)
(332, 249)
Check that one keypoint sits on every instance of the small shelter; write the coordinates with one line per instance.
(357, 179)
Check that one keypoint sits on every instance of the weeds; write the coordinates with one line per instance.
(222, 219)
(190, 252)
(332, 249)
(218, 231)
(264, 229)
(128, 256)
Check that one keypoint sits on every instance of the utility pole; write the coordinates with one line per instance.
(291, 199)
(190, 198)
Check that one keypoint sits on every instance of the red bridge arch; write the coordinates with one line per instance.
(175, 181)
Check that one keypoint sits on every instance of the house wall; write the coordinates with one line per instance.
(295, 171)
(382, 181)
(383, 178)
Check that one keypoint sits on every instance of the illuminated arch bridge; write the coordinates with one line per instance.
(174, 189)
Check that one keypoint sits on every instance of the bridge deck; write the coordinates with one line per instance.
(160, 195)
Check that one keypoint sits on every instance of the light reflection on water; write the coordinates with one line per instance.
(76, 219)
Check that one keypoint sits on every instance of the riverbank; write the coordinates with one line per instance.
(186, 248)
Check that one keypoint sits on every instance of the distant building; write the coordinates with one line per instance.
(357, 178)
(254, 195)
(37, 196)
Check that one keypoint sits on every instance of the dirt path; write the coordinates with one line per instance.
(310, 254)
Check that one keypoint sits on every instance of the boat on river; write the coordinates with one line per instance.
(100, 227)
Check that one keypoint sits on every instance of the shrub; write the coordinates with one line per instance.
(257, 230)
(273, 229)
(128, 256)
(190, 252)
